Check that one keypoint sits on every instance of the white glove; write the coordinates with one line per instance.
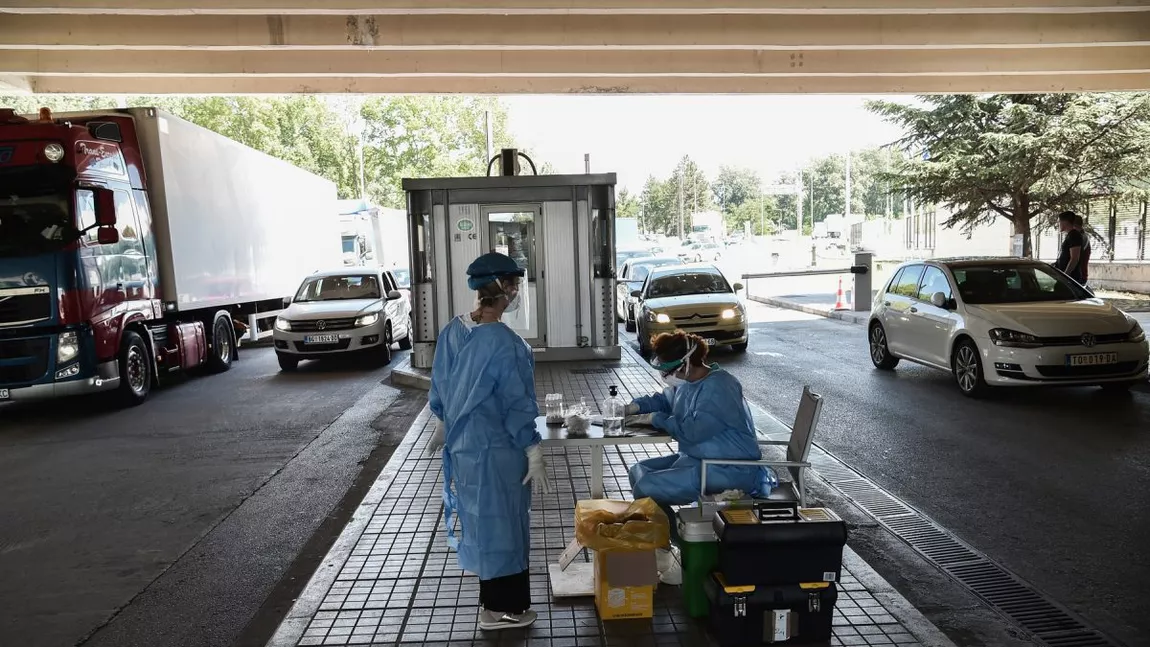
(435, 445)
(537, 471)
(631, 409)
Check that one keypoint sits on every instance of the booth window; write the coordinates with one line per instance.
(603, 231)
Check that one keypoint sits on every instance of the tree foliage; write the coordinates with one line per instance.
(1018, 157)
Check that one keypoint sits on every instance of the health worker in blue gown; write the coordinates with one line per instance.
(703, 409)
(483, 396)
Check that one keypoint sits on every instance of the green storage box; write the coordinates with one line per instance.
(699, 550)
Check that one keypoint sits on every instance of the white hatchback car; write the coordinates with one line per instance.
(1004, 322)
(343, 311)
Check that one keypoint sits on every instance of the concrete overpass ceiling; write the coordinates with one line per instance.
(514, 46)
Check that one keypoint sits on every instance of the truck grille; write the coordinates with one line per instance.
(346, 323)
(25, 308)
(23, 360)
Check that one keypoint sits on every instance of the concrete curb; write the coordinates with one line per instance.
(406, 375)
(848, 316)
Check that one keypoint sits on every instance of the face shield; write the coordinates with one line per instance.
(517, 316)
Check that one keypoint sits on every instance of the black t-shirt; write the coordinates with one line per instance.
(1073, 239)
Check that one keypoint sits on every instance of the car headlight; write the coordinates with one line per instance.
(1013, 339)
(67, 347)
(367, 319)
(283, 324)
(658, 317)
(729, 313)
(1136, 334)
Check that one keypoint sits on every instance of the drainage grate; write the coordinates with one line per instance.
(590, 371)
(1046, 620)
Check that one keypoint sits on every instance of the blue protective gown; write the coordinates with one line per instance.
(710, 419)
(483, 389)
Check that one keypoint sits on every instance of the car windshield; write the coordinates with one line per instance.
(687, 283)
(34, 216)
(623, 257)
(339, 288)
(990, 284)
(402, 278)
(639, 271)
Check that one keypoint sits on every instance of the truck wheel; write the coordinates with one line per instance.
(135, 371)
(407, 342)
(223, 344)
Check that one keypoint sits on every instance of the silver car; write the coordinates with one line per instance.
(343, 311)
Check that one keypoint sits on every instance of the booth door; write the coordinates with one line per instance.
(514, 230)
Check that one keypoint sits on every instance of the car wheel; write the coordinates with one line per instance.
(630, 326)
(407, 342)
(879, 352)
(740, 348)
(967, 367)
(383, 351)
(135, 371)
(645, 344)
(287, 362)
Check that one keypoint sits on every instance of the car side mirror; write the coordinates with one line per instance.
(394, 295)
(939, 300)
(105, 208)
(738, 286)
(636, 293)
(107, 236)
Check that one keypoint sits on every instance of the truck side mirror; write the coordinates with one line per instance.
(105, 208)
(107, 236)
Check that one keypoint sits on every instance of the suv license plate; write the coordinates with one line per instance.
(1093, 359)
(4, 394)
(321, 339)
(711, 341)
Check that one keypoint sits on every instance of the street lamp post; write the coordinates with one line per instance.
(356, 128)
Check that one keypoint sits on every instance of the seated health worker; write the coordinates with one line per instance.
(703, 409)
(483, 395)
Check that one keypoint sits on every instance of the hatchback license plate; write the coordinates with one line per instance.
(1093, 359)
(4, 394)
(321, 339)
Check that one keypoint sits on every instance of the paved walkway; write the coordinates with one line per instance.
(390, 578)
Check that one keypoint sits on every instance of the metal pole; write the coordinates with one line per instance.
(847, 208)
(587, 163)
(799, 200)
(490, 138)
(680, 206)
(362, 173)
(864, 281)
(762, 227)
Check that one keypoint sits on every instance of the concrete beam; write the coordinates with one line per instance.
(11, 84)
(581, 32)
(567, 7)
(580, 63)
(618, 85)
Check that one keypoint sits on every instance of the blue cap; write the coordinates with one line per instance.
(491, 267)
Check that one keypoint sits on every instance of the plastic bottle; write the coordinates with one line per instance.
(614, 409)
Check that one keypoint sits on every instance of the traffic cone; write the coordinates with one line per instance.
(839, 305)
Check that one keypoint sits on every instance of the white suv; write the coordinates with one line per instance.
(343, 311)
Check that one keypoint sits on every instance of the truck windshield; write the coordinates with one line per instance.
(348, 245)
(34, 216)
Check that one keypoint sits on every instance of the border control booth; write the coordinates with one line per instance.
(559, 228)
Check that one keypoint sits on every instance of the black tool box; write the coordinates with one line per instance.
(771, 545)
(741, 616)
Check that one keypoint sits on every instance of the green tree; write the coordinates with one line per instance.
(692, 193)
(423, 136)
(734, 186)
(626, 205)
(658, 206)
(1018, 156)
(761, 211)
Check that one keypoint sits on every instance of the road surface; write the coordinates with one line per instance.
(1051, 483)
(171, 523)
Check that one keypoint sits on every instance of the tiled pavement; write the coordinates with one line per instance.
(390, 578)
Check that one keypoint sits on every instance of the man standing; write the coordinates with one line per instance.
(1070, 258)
(1080, 225)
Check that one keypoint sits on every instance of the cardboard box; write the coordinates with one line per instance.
(625, 584)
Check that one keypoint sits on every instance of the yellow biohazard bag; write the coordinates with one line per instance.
(605, 525)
